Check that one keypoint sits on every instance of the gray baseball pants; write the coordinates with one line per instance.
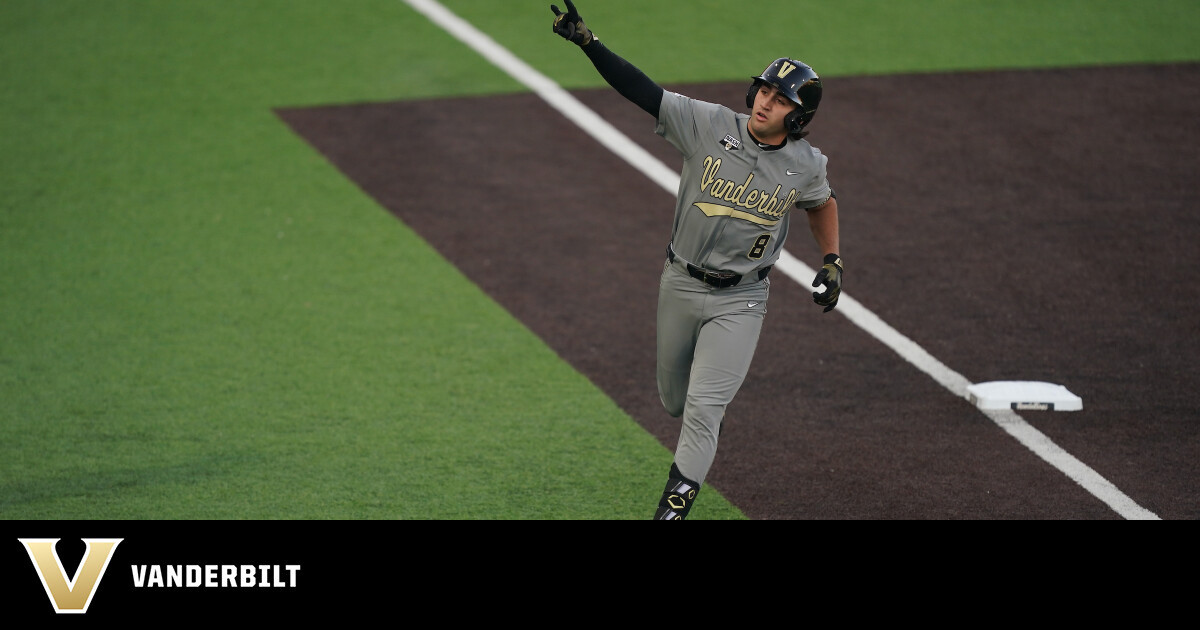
(706, 341)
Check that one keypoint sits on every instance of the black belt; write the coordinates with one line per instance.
(718, 279)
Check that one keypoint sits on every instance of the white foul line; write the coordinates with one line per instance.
(668, 179)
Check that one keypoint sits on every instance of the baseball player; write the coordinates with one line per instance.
(743, 175)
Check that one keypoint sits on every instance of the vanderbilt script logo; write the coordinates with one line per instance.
(72, 595)
(742, 195)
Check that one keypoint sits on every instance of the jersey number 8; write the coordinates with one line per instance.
(760, 247)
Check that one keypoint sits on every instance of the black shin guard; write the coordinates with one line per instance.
(677, 497)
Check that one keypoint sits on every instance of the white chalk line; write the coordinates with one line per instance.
(611, 138)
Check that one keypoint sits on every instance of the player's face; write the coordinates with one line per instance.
(766, 119)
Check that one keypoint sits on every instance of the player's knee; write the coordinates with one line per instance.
(674, 407)
(673, 399)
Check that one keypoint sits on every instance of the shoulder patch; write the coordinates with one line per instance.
(731, 143)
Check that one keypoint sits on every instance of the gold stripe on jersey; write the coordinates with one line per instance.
(717, 210)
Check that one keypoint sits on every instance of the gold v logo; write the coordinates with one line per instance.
(73, 595)
(786, 69)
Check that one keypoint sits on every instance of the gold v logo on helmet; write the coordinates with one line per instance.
(72, 595)
(786, 69)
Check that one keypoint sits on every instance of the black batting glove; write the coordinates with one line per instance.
(830, 275)
(570, 26)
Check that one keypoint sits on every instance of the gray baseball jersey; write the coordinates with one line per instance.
(734, 197)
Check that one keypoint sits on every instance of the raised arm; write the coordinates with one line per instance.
(623, 76)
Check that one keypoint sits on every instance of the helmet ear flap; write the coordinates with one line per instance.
(792, 122)
(751, 92)
(795, 121)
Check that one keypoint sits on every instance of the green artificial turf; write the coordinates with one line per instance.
(707, 40)
(201, 318)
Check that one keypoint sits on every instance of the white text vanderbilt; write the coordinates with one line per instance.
(215, 575)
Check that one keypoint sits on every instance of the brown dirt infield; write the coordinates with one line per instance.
(1033, 225)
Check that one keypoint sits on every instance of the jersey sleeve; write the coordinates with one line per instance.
(816, 190)
(681, 120)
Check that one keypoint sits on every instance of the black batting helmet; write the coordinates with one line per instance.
(798, 83)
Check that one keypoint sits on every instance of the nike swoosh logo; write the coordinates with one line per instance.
(791, 172)
(751, 304)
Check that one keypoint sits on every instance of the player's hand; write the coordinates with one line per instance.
(570, 26)
(830, 275)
